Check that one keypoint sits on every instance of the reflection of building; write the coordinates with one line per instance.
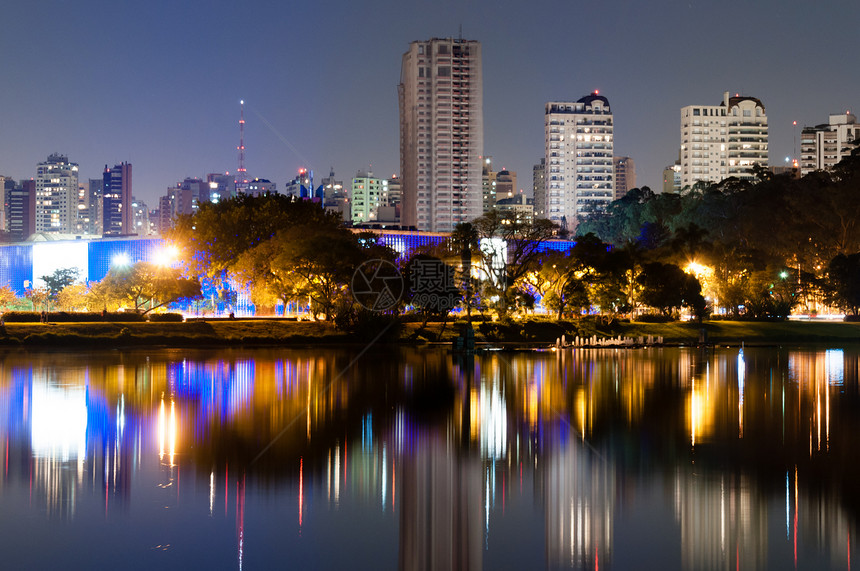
(441, 511)
(723, 521)
(578, 490)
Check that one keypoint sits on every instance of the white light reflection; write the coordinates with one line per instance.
(58, 428)
(384, 477)
(741, 372)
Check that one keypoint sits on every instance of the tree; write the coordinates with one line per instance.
(213, 239)
(58, 280)
(466, 243)
(510, 249)
(7, 296)
(844, 282)
(321, 259)
(666, 287)
(147, 286)
(73, 297)
(39, 297)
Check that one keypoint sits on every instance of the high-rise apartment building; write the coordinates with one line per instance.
(366, 196)
(625, 176)
(580, 177)
(722, 141)
(672, 178)
(20, 208)
(56, 206)
(823, 146)
(221, 186)
(441, 133)
(539, 188)
(117, 213)
(140, 214)
(488, 184)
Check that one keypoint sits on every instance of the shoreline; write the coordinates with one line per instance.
(527, 334)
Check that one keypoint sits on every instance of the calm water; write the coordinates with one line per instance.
(414, 459)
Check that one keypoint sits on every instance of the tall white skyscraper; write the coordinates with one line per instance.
(441, 133)
(722, 141)
(56, 195)
(579, 171)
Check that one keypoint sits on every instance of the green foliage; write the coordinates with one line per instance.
(505, 273)
(145, 286)
(844, 290)
(60, 279)
(667, 287)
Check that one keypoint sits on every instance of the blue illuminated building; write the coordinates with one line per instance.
(23, 264)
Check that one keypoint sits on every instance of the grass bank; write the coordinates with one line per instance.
(528, 332)
(191, 333)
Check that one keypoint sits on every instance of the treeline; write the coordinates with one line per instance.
(778, 241)
(749, 249)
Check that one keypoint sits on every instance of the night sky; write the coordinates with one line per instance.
(158, 83)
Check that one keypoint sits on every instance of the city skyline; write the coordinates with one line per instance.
(162, 89)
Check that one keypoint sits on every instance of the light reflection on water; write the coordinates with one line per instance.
(417, 459)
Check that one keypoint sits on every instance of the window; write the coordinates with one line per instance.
(443, 71)
(696, 112)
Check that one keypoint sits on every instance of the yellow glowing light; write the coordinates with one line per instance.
(166, 256)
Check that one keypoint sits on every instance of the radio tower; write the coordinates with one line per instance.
(241, 170)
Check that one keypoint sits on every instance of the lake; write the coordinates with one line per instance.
(414, 458)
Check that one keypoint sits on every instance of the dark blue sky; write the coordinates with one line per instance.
(158, 83)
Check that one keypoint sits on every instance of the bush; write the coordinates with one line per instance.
(166, 318)
(66, 317)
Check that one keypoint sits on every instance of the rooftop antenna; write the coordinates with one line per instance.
(461, 32)
(241, 170)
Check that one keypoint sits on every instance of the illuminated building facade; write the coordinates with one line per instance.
(56, 195)
(722, 141)
(823, 146)
(366, 197)
(118, 218)
(580, 175)
(441, 133)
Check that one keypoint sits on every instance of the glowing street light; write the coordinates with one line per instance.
(166, 256)
(121, 260)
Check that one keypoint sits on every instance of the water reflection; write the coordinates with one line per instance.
(421, 460)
